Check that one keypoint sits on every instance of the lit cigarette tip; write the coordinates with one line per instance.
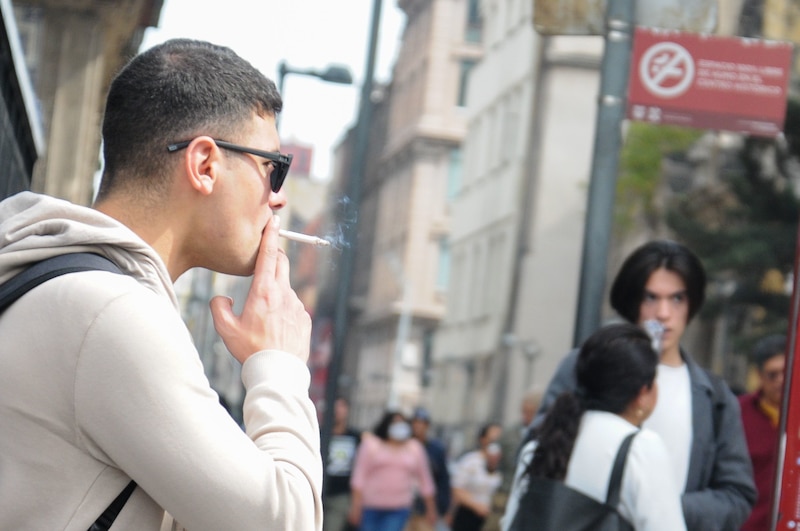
(303, 238)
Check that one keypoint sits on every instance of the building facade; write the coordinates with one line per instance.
(401, 257)
(72, 49)
(517, 220)
(20, 133)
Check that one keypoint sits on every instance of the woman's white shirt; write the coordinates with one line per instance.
(649, 499)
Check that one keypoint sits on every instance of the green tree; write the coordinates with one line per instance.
(744, 228)
(743, 222)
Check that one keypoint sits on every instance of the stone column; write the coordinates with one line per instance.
(71, 89)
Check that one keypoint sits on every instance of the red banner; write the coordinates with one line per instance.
(709, 82)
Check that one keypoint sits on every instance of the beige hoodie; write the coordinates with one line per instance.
(100, 383)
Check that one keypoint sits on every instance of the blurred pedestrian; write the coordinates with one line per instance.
(389, 466)
(510, 443)
(437, 458)
(105, 391)
(761, 412)
(700, 423)
(341, 455)
(577, 442)
(475, 479)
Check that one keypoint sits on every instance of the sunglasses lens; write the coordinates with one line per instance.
(279, 172)
(277, 176)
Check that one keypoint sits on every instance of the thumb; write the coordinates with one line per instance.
(222, 314)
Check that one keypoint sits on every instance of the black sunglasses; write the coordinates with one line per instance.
(280, 161)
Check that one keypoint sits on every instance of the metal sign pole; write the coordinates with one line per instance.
(605, 161)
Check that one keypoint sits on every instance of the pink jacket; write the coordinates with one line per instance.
(388, 475)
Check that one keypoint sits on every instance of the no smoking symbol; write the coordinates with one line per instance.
(666, 69)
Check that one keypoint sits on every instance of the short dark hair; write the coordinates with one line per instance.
(483, 431)
(172, 92)
(768, 347)
(627, 291)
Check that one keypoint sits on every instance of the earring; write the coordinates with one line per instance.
(640, 412)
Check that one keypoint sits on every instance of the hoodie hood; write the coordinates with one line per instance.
(35, 227)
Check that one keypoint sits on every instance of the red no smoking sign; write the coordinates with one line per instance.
(709, 82)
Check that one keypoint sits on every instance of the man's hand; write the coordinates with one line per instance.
(273, 317)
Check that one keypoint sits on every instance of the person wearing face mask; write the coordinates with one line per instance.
(475, 480)
(390, 466)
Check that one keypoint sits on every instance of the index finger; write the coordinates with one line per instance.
(267, 258)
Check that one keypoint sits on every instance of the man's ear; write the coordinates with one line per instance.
(202, 163)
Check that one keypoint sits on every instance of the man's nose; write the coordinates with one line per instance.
(277, 200)
(664, 308)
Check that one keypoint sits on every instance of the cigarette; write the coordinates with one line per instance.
(303, 238)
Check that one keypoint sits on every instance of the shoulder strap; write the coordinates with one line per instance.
(103, 523)
(39, 273)
(43, 271)
(615, 481)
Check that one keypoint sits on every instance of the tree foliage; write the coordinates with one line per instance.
(742, 222)
(640, 168)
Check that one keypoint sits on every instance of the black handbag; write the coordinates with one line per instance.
(41, 272)
(550, 505)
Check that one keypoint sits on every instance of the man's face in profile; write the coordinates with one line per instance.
(771, 377)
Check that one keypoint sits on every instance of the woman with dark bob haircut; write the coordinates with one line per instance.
(579, 438)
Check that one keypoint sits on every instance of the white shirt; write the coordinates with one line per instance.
(672, 418)
(648, 498)
(472, 476)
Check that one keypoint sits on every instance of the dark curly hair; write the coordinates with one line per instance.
(613, 365)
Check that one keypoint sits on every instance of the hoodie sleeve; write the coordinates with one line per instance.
(161, 423)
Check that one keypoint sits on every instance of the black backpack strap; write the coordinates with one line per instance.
(43, 271)
(615, 481)
(103, 523)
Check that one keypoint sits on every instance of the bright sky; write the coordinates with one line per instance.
(307, 34)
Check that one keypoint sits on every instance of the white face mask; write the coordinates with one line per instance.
(399, 431)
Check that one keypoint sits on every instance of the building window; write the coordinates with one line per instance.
(466, 67)
(474, 27)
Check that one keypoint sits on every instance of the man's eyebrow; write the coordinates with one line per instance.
(673, 294)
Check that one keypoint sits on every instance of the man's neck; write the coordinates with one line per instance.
(672, 357)
(152, 226)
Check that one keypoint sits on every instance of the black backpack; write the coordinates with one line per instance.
(549, 504)
(41, 272)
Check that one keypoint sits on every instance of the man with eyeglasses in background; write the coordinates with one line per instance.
(761, 412)
(101, 386)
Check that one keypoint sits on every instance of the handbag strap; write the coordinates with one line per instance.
(41, 272)
(615, 481)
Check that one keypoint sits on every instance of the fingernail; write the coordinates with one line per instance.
(277, 221)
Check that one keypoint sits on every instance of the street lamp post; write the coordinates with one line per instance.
(332, 74)
(353, 186)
